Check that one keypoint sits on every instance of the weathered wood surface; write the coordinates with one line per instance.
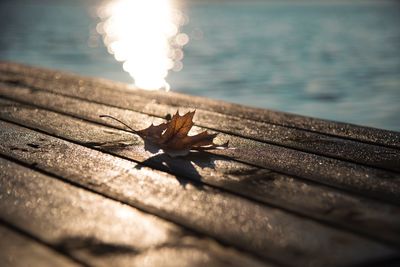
(359, 178)
(293, 138)
(295, 191)
(99, 231)
(163, 194)
(17, 250)
(357, 213)
(24, 74)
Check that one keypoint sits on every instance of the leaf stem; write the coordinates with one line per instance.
(123, 123)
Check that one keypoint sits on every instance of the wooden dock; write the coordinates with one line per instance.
(79, 190)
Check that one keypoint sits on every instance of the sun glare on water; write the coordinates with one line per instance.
(144, 35)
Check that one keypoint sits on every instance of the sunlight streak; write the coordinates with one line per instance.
(145, 36)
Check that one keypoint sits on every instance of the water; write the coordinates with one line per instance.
(333, 60)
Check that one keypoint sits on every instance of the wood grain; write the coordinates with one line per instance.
(265, 231)
(100, 231)
(291, 191)
(73, 84)
(17, 250)
(349, 176)
(367, 216)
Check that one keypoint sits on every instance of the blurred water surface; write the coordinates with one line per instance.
(333, 60)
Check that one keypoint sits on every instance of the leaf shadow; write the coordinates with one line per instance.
(93, 246)
(185, 168)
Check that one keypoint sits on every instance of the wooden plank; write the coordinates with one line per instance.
(17, 250)
(59, 81)
(372, 155)
(100, 231)
(265, 231)
(379, 220)
(361, 179)
(298, 139)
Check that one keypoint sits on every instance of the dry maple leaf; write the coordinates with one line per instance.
(172, 136)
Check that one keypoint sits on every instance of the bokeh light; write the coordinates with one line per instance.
(146, 37)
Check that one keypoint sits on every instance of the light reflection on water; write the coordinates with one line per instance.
(334, 59)
(145, 36)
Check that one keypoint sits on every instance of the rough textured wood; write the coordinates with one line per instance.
(372, 155)
(98, 230)
(379, 220)
(294, 191)
(19, 251)
(83, 86)
(358, 178)
(265, 231)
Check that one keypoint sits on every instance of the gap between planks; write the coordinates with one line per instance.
(19, 249)
(77, 222)
(285, 200)
(319, 169)
(342, 149)
(20, 73)
(253, 233)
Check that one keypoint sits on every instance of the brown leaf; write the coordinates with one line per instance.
(172, 136)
